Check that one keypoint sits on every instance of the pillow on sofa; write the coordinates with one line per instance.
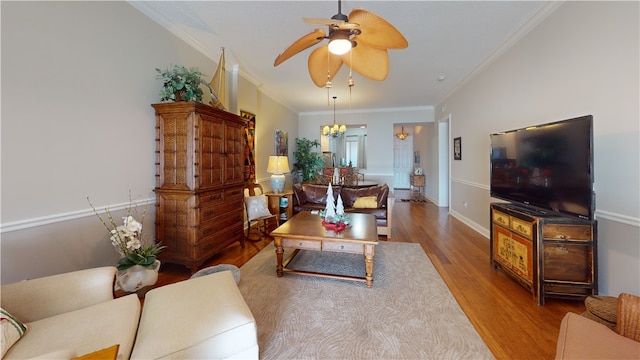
(366, 202)
(12, 330)
(256, 206)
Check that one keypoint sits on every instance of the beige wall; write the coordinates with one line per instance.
(583, 59)
(78, 79)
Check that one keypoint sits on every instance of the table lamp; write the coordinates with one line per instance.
(278, 166)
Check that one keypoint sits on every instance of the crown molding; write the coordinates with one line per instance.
(369, 111)
(531, 23)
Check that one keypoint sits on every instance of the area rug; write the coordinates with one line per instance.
(409, 312)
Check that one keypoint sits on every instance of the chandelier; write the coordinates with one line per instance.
(335, 130)
(402, 135)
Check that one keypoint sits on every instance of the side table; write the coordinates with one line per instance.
(417, 187)
(281, 203)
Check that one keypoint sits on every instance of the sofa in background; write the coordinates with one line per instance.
(75, 313)
(583, 338)
(376, 200)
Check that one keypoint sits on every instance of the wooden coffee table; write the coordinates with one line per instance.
(304, 231)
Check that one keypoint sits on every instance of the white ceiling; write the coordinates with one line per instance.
(446, 38)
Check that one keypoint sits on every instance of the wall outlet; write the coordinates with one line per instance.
(464, 203)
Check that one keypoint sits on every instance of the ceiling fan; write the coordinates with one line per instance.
(360, 41)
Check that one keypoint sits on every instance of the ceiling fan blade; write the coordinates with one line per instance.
(376, 31)
(303, 43)
(319, 65)
(367, 61)
(332, 23)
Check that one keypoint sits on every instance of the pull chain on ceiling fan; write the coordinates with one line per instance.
(366, 38)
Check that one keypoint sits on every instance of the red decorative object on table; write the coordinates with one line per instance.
(337, 227)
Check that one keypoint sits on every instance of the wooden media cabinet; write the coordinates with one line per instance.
(550, 255)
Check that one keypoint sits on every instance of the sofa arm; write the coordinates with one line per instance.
(200, 318)
(628, 316)
(581, 338)
(391, 200)
(40, 298)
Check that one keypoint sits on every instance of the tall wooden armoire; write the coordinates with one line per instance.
(199, 181)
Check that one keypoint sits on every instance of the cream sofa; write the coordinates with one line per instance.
(75, 313)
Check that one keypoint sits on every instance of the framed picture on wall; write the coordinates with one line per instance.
(457, 148)
(249, 146)
(282, 143)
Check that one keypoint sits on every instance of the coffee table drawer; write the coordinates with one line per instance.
(301, 244)
(343, 247)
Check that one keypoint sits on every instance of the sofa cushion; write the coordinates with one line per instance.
(366, 202)
(11, 330)
(40, 298)
(381, 192)
(217, 323)
(82, 331)
(315, 194)
(581, 338)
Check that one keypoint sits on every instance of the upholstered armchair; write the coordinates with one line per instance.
(583, 338)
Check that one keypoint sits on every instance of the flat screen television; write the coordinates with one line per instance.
(548, 167)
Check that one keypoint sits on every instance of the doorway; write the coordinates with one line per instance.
(402, 157)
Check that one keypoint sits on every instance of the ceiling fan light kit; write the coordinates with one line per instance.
(360, 41)
(339, 46)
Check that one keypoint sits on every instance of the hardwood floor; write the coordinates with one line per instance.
(505, 315)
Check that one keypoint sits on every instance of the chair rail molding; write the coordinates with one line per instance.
(56, 218)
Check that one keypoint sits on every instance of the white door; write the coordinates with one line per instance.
(402, 160)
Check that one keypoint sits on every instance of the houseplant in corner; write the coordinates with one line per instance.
(308, 163)
(138, 267)
(180, 83)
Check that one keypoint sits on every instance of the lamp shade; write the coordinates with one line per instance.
(278, 165)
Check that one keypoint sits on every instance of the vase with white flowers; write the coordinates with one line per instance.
(138, 266)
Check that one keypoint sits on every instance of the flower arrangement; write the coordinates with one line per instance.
(127, 239)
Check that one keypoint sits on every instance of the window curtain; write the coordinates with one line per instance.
(337, 146)
(362, 144)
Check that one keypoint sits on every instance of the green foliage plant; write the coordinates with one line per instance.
(308, 162)
(180, 83)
